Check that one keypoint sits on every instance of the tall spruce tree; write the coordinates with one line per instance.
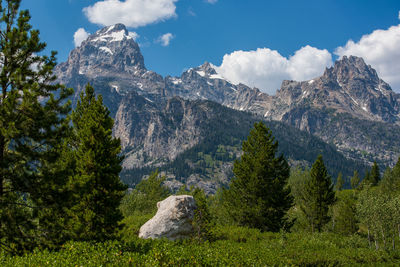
(95, 182)
(339, 182)
(375, 175)
(32, 124)
(259, 196)
(319, 196)
(355, 180)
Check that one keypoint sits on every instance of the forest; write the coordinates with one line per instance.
(62, 202)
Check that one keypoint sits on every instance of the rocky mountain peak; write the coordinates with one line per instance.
(111, 29)
(352, 68)
(208, 68)
(111, 51)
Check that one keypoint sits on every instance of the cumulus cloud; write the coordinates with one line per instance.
(381, 50)
(308, 62)
(165, 39)
(132, 13)
(79, 36)
(265, 68)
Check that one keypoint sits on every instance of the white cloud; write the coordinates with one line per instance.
(79, 36)
(381, 50)
(132, 13)
(266, 69)
(211, 1)
(308, 62)
(165, 39)
(134, 35)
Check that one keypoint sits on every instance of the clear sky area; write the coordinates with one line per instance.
(258, 42)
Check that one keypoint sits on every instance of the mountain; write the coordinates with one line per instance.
(195, 142)
(175, 122)
(349, 106)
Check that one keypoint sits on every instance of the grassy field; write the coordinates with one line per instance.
(234, 247)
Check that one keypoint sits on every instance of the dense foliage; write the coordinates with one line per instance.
(235, 247)
(59, 179)
(32, 124)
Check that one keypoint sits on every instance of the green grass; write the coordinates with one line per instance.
(235, 247)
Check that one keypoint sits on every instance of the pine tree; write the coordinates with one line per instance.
(367, 178)
(375, 175)
(390, 183)
(95, 183)
(259, 196)
(355, 180)
(32, 124)
(339, 182)
(319, 196)
(143, 199)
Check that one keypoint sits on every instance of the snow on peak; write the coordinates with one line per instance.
(112, 37)
(201, 73)
(114, 33)
(106, 49)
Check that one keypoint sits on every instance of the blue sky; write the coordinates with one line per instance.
(258, 38)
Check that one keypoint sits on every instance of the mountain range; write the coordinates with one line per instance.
(191, 127)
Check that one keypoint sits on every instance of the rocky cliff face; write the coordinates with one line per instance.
(159, 118)
(338, 105)
(350, 86)
(154, 135)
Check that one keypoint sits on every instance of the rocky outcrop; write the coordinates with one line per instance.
(173, 219)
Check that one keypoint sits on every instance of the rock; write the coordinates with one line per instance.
(173, 219)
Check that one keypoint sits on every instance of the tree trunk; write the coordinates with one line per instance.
(369, 239)
(384, 239)
(398, 229)
(393, 243)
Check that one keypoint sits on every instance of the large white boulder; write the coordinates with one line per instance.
(173, 219)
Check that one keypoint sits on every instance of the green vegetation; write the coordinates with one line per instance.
(32, 126)
(59, 180)
(94, 184)
(236, 247)
(317, 196)
(258, 196)
(62, 203)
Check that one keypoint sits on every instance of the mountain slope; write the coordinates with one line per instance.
(347, 95)
(196, 142)
(169, 122)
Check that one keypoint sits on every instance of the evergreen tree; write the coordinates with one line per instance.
(390, 183)
(32, 124)
(259, 196)
(95, 183)
(143, 199)
(375, 175)
(319, 196)
(355, 180)
(367, 178)
(339, 182)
